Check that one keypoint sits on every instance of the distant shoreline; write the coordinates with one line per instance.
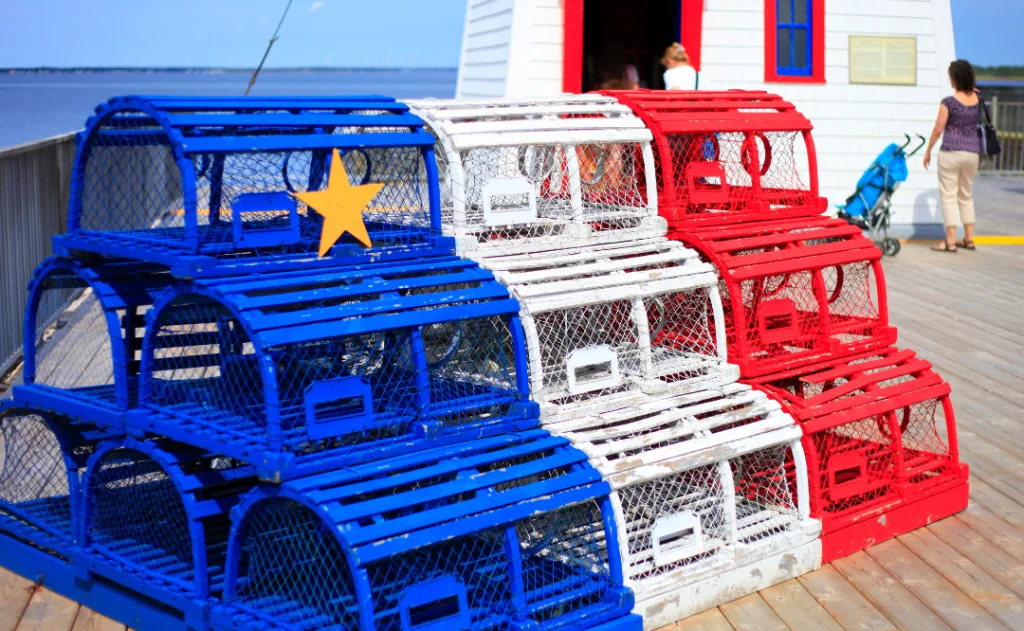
(90, 70)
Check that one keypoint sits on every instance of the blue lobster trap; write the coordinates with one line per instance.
(83, 336)
(42, 457)
(156, 519)
(205, 185)
(301, 372)
(498, 533)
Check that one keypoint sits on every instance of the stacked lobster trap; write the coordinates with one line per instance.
(805, 311)
(626, 338)
(221, 403)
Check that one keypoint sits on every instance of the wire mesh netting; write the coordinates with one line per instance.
(242, 203)
(292, 571)
(679, 520)
(565, 569)
(471, 365)
(721, 172)
(138, 517)
(659, 336)
(338, 394)
(766, 500)
(467, 577)
(139, 520)
(73, 348)
(710, 517)
(683, 343)
(564, 333)
(35, 480)
(782, 314)
(852, 293)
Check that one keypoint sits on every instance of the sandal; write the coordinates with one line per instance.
(965, 244)
(944, 247)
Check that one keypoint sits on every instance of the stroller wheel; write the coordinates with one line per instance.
(890, 246)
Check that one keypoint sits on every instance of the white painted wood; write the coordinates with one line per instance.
(610, 296)
(711, 588)
(580, 155)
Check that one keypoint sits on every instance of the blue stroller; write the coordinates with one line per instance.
(868, 207)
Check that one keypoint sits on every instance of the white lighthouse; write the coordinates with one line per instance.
(865, 72)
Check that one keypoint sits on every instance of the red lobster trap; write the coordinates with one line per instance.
(796, 292)
(881, 446)
(728, 157)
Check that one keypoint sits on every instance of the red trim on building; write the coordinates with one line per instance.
(572, 46)
(691, 29)
(817, 45)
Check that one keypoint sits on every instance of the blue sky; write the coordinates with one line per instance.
(233, 33)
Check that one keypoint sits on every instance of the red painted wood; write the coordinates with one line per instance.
(890, 521)
(691, 30)
(572, 46)
(799, 291)
(877, 467)
(685, 124)
(817, 45)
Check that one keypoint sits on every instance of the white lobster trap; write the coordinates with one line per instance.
(710, 492)
(519, 174)
(607, 325)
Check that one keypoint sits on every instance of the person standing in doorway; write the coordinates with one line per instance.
(679, 74)
(957, 123)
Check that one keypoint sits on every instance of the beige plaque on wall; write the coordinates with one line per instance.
(884, 60)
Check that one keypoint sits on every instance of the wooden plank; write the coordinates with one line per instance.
(842, 600)
(896, 602)
(89, 620)
(710, 620)
(967, 576)
(952, 605)
(998, 503)
(982, 553)
(752, 613)
(797, 608)
(48, 611)
(15, 592)
(991, 527)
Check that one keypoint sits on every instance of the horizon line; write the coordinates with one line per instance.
(217, 68)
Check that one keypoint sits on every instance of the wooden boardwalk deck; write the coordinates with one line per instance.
(964, 313)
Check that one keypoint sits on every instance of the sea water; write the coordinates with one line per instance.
(34, 106)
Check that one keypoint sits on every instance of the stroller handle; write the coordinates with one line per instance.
(919, 145)
(904, 145)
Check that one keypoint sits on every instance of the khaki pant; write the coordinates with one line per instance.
(957, 170)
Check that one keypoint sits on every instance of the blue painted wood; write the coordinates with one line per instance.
(118, 286)
(52, 452)
(113, 600)
(209, 145)
(289, 120)
(252, 144)
(439, 531)
(145, 548)
(235, 364)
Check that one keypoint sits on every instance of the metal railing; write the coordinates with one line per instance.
(35, 180)
(1008, 118)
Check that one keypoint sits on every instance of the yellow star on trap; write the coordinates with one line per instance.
(341, 205)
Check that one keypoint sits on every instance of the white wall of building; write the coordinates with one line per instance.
(515, 48)
(852, 123)
(511, 48)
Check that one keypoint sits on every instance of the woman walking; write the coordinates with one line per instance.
(957, 123)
